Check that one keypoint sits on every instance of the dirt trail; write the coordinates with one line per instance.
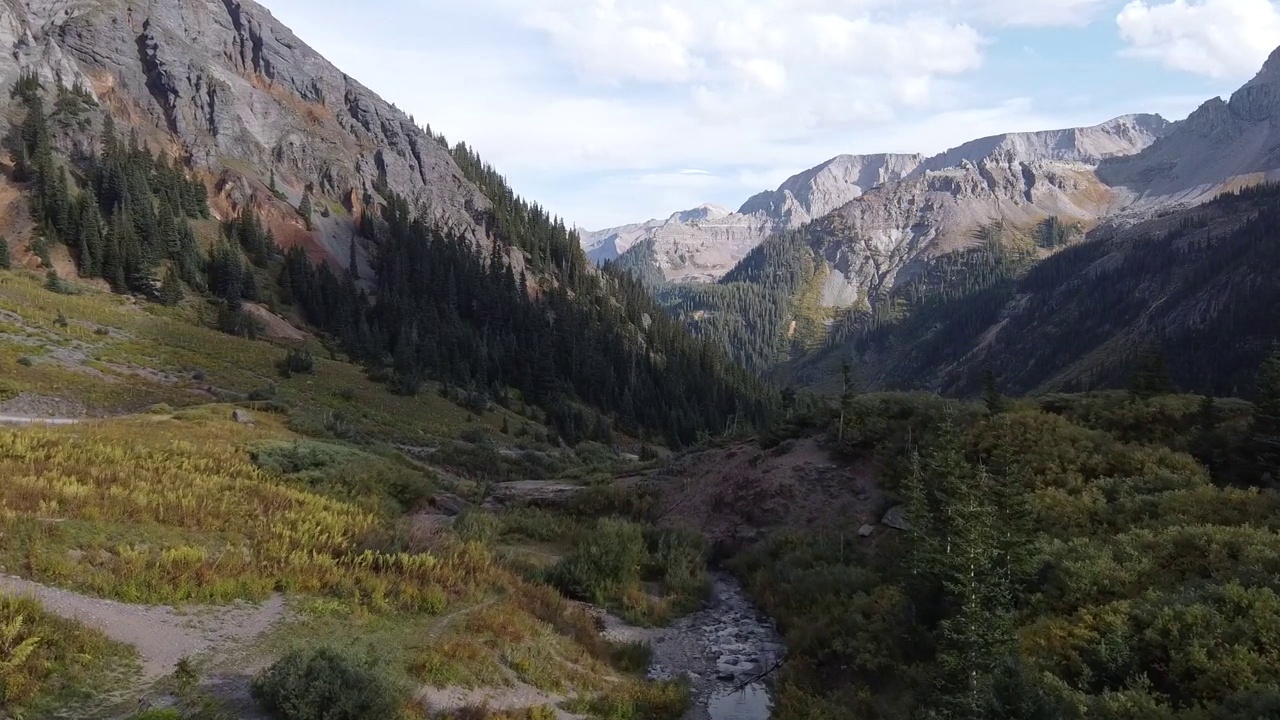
(24, 420)
(162, 635)
(517, 697)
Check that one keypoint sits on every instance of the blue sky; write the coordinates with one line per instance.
(615, 111)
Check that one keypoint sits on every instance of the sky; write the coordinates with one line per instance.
(615, 111)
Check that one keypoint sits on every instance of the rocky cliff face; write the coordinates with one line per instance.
(1017, 179)
(870, 215)
(1222, 144)
(225, 84)
(703, 244)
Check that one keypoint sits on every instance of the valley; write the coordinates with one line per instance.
(307, 414)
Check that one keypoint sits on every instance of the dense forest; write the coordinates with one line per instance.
(749, 312)
(1108, 555)
(591, 347)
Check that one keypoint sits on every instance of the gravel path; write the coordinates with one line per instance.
(718, 649)
(162, 635)
(23, 420)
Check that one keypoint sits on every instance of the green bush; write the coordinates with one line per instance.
(266, 392)
(476, 526)
(607, 558)
(343, 472)
(297, 362)
(325, 684)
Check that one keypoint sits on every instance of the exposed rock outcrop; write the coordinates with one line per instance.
(1220, 145)
(702, 244)
(883, 210)
(228, 86)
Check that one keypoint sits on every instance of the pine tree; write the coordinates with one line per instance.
(171, 288)
(959, 577)
(53, 283)
(846, 393)
(995, 402)
(304, 208)
(6, 262)
(1264, 431)
(1151, 377)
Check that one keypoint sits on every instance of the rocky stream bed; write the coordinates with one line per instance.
(723, 650)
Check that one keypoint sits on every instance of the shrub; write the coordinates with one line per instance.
(297, 362)
(325, 684)
(266, 392)
(475, 526)
(27, 361)
(608, 558)
(342, 472)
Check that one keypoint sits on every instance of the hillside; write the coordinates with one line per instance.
(1191, 286)
(266, 160)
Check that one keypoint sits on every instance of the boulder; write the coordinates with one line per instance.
(242, 416)
(449, 504)
(896, 518)
(866, 530)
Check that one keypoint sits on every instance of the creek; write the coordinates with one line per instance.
(722, 650)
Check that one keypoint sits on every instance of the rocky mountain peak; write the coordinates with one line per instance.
(702, 213)
(821, 189)
(217, 79)
(1117, 137)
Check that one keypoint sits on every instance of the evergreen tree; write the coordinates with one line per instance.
(995, 402)
(1151, 377)
(53, 283)
(960, 578)
(304, 208)
(6, 262)
(1264, 432)
(171, 288)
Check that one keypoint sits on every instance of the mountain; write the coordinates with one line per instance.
(164, 149)
(786, 296)
(1164, 273)
(229, 87)
(1193, 287)
(1018, 179)
(1223, 144)
(702, 244)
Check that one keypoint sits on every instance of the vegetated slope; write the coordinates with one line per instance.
(1052, 569)
(509, 277)
(1192, 286)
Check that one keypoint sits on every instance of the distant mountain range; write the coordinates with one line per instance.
(921, 277)
(702, 244)
(965, 186)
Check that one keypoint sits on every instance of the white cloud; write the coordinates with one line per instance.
(730, 58)
(1217, 38)
(611, 111)
(1033, 13)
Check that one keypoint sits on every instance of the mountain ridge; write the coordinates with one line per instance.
(683, 252)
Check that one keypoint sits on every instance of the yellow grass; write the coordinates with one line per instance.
(135, 509)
